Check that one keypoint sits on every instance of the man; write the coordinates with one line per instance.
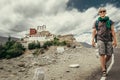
(106, 38)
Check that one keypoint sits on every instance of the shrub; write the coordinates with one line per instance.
(55, 42)
(63, 43)
(33, 45)
(13, 53)
(11, 49)
(47, 44)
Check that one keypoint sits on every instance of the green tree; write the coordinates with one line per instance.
(63, 43)
(33, 45)
(9, 38)
(47, 44)
(9, 43)
(11, 49)
(56, 41)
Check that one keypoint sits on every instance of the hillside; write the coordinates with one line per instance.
(55, 65)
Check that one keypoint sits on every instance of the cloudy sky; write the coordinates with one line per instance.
(60, 16)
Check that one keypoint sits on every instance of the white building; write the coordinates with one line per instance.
(40, 34)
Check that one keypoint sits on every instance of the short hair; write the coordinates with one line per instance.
(101, 9)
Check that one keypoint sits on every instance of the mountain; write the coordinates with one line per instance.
(85, 44)
(4, 39)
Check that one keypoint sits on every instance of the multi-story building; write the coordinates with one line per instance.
(40, 34)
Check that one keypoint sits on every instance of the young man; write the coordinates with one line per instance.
(106, 38)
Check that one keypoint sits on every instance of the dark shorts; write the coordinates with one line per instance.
(105, 48)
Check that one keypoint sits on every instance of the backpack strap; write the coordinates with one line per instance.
(97, 22)
(96, 26)
(110, 24)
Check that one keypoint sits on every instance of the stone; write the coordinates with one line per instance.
(60, 49)
(67, 71)
(9, 70)
(1, 68)
(74, 66)
(39, 74)
(21, 64)
(35, 63)
(22, 70)
(14, 73)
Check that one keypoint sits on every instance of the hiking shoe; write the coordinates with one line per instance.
(104, 74)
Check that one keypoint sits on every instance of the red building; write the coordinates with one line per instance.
(33, 31)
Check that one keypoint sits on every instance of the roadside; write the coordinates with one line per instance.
(115, 71)
(56, 66)
(113, 74)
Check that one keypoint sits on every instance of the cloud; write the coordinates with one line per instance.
(19, 16)
(16, 17)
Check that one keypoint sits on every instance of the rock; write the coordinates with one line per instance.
(4, 76)
(74, 66)
(26, 76)
(73, 46)
(21, 64)
(39, 74)
(9, 70)
(35, 63)
(67, 71)
(22, 70)
(60, 49)
(61, 77)
(14, 73)
(11, 75)
(53, 60)
(53, 79)
(1, 68)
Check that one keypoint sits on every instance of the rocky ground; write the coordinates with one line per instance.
(54, 64)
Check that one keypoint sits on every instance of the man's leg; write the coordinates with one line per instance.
(103, 62)
(109, 48)
(101, 48)
(107, 58)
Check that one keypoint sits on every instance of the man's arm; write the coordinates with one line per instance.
(114, 36)
(93, 37)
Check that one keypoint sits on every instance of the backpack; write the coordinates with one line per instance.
(96, 26)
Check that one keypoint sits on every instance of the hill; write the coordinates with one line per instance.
(55, 65)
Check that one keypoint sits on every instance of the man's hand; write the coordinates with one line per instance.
(114, 43)
(93, 43)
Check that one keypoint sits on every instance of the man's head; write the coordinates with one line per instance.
(102, 12)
